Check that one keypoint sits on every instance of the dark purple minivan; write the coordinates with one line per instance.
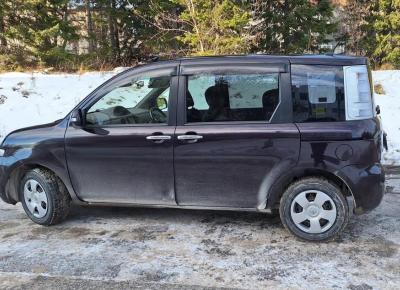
(294, 134)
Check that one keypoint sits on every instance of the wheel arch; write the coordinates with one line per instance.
(13, 182)
(277, 189)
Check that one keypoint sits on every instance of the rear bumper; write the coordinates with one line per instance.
(367, 185)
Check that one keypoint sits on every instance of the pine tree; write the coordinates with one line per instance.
(213, 26)
(126, 31)
(38, 28)
(291, 26)
(387, 32)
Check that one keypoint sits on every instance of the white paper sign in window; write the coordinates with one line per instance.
(321, 87)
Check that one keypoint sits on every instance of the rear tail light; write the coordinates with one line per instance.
(359, 104)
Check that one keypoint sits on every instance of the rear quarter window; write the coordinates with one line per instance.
(318, 93)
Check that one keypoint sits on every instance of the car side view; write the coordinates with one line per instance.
(294, 134)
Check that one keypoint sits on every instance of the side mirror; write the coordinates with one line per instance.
(76, 119)
(162, 103)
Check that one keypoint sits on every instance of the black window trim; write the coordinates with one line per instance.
(234, 68)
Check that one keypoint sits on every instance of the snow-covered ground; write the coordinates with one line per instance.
(121, 248)
(390, 111)
(28, 99)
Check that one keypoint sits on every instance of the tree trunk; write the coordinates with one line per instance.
(175, 14)
(65, 19)
(3, 40)
(103, 38)
(114, 38)
(89, 26)
(286, 30)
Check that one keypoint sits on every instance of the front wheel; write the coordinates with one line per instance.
(314, 209)
(44, 197)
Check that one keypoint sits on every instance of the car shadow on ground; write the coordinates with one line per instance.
(168, 214)
(360, 228)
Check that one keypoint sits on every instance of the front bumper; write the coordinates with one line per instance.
(3, 183)
(367, 185)
(7, 164)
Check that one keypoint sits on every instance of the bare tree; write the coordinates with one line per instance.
(353, 19)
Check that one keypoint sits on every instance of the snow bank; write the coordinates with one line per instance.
(28, 99)
(390, 111)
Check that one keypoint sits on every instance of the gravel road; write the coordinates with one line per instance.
(121, 248)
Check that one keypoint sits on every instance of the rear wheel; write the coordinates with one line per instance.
(314, 209)
(44, 197)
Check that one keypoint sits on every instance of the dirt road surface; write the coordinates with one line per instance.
(122, 248)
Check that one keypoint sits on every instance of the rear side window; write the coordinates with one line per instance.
(231, 97)
(318, 93)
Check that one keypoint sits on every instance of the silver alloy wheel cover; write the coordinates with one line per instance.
(35, 198)
(313, 211)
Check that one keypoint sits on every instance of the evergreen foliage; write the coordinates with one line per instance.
(214, 26)
(36, 31)
(292, 26)
(387, 32)
(100, 34)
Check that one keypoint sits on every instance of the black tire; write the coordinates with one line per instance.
(322, 185)
(58, 198)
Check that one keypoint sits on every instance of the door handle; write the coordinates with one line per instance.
(190, 138)
(158, 138)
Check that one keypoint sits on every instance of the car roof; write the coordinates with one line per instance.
(321, 59)
(294, 59)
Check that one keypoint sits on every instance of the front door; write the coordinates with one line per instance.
(124, 152)
(234, 132)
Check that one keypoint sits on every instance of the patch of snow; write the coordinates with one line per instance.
(28, 99)
(390, 111)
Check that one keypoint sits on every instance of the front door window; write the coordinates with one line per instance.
(143, 100)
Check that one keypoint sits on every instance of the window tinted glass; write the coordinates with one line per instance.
(140, 101)
(249, 97)
(318, 93)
